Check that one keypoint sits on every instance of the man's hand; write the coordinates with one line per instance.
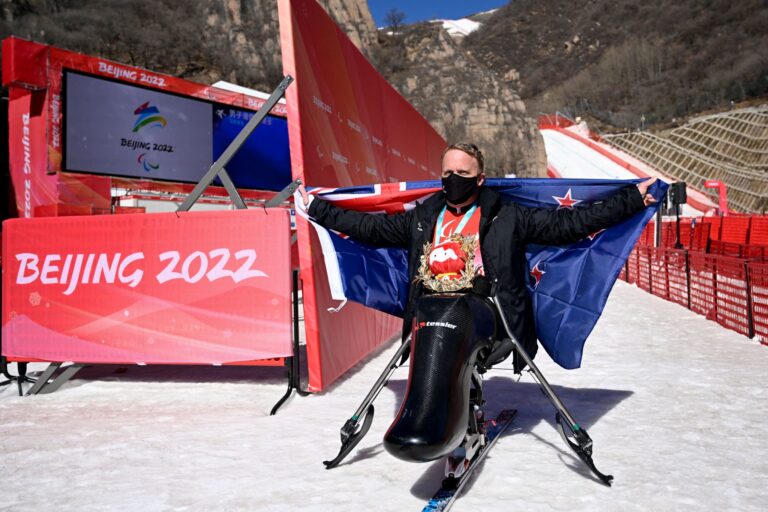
(643, 187)
(305, 197)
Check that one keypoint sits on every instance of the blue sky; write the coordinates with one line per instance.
(420, 11)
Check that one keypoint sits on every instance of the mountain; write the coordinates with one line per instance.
(461, 97)
(629, 63)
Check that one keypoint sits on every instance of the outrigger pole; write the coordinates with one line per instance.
(583, 445)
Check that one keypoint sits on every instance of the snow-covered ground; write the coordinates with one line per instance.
(676, 405)
(573, 159)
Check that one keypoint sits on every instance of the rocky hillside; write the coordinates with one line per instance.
(201, 40)
(238, 40)
(462, 98)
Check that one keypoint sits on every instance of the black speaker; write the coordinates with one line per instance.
(677, 193)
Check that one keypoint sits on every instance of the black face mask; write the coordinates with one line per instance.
(458, 189)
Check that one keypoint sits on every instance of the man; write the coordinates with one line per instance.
(501, 230)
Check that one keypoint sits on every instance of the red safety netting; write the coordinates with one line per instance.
(732, 249)
(674, 285)
(737, 237)
(686, 232)
(702, 285)
(642, 269)
(700, 236)
(758, 292)
(646, 238)
(731, 294)
(722, 272)
(714, 223)
(758, 230)
(755, 252)
(659, 277)
(734, 229)
(718, 290)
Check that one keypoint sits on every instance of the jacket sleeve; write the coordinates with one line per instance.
(557, 227)
(369, 228)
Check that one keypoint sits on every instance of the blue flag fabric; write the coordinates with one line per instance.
(568, 284)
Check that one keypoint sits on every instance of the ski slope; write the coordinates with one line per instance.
(573, 159)
(572, 154)
(675, 404)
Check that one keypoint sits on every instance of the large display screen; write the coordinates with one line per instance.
(118, 129)
(264, 161)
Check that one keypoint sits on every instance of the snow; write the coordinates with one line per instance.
(675, 404)
(573, 159)
(461, 27)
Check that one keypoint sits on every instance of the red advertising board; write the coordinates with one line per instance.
(188, 288)
(347, 126)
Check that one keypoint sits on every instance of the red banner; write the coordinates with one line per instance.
(191, 288)
(347, 126)
(351, 127)
(28, 152)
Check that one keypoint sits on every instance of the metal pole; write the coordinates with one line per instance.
(539, 376)
(750, 316)
(232, 190)
(382, 380)
(657, 234)
(217, 169)
(651, 254)
(296, 346)
(283, 194)
(688, 276)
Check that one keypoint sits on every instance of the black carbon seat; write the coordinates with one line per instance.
(449, 331)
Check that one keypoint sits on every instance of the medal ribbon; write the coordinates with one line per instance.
(462, 223)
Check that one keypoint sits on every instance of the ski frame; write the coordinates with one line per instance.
(576, 437)
(350, 433)
(583, 445)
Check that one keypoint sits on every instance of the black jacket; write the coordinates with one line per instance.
(505, 229)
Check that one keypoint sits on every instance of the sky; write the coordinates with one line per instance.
(420, 10)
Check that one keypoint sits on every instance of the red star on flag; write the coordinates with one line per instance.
(594, 235)
(566, 201)
(537, 273)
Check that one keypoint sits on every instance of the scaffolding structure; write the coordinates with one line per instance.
(731, 147)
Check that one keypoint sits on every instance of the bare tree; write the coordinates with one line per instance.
(394, 20)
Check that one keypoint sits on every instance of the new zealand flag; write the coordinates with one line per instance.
(569, 284)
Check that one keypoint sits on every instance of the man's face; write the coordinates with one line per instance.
(464, 165)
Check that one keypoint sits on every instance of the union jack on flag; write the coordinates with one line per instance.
(569, 285)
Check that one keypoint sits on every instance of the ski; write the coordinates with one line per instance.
(451, 488)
